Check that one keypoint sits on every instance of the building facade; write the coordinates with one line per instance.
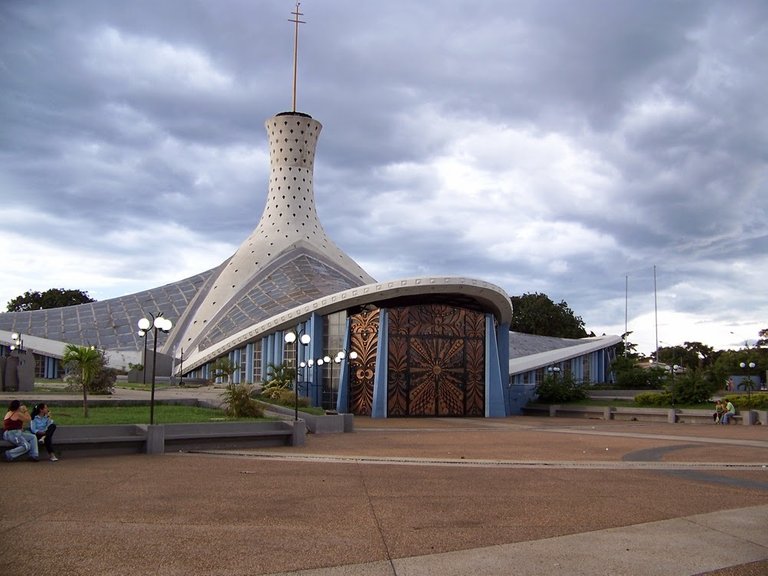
(430, 346)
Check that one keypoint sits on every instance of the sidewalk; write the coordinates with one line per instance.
(209, 393)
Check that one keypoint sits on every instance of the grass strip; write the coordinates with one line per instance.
(164, 414)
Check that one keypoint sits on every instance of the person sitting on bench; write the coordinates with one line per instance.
(14, 433)
(43, 427)
(730, 412)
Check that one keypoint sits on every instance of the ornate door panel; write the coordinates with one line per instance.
(364, 337)
(436, 364)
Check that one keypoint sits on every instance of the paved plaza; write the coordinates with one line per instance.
(520, 495)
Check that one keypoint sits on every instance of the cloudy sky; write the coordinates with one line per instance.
(544, 146)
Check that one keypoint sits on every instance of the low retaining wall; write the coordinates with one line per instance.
(669, 415)
(160, 438)
(317, 424)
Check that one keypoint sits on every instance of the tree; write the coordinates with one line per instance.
(223, 367)
(762, 342)
(686, 355)
(625, 347)
(537, 314)
(52, 298)
(84, 362)
(705, 355)
(631, 376)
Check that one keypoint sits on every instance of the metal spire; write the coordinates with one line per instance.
(296, 22)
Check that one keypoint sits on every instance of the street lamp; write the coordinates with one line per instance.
(748, 384)
(554, 370)
(305, 339)
(143, 334)
(18, 342)
(338, 359)
(319, 384)
(157, 323)
(672, 371)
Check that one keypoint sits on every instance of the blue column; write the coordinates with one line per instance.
(315, 330)
(379, 407)
(502, 339)
(495, 401)
(342, 401)
(51, 366)
(234, 357)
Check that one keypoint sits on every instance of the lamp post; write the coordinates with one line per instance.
(305, 339)
(319, 385)
(554, 371)
(164, 325)
(672, 371)
(311, 386)
(338, 359)
(327, 360)
(143, 334)
(749, 366)
(305, 368)
(18, 342)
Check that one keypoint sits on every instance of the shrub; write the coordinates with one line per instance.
(286, 397)
(102, 379)
(279, 379)
(556, 389)
(238, 402)
(653, 399)
(692, 387)
(757, 401)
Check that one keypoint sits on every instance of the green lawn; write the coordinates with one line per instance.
(164, 414)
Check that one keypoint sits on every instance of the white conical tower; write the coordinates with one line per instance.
(288, 228)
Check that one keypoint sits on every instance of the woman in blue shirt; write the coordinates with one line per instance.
(42, 427)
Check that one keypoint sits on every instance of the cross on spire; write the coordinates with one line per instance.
(296, 22)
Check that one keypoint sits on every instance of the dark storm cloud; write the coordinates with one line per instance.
(559, 146)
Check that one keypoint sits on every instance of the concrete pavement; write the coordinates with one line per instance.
(521, 495)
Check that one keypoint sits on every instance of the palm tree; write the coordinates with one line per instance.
(85, 361)
(223, 367)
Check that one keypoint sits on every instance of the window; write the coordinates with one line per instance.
(243, 365)
(257, 361)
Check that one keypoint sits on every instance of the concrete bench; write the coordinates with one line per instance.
(142, 438)
(86, 440)
(568, 411)
(233, 434)
(669, 415)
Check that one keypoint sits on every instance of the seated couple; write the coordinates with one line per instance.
(41, 430)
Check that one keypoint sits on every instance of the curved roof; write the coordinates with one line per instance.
(108, 324)
(528, 352)
(489, 297)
